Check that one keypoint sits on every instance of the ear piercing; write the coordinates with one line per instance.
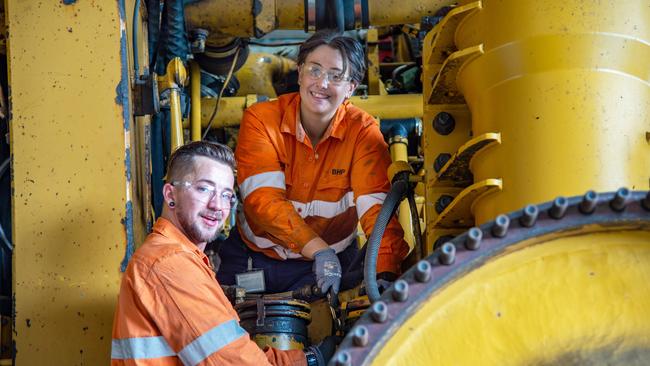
(171, 204)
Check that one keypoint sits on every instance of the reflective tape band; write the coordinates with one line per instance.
(365, 202)
(283, 252)
(324, 209)
(268, 179)
(211, 342)
(140, 348)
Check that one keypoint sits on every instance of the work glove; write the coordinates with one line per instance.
(327, 269)
(320, 354)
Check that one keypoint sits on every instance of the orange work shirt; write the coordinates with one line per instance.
(293, 192)
(172, 311)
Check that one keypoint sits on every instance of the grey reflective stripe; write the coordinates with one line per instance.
(144, 347)
(211, 342)
(268, 179)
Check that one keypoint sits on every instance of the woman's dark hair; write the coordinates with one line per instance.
(350, 48)
(182, 160)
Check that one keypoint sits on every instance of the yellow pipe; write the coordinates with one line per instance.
(260, 71)
(573, 109)
(231, 109)
(223, 18)
(173, 80)
(399, 152)
(195, 99)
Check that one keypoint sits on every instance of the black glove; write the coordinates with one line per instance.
(327, 269)
(321, 354)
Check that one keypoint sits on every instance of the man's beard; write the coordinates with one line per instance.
(192, 229)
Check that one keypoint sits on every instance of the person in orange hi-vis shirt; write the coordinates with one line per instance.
(171, 309)
(311, 166)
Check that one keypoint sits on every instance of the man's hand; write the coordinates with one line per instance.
(327, 269)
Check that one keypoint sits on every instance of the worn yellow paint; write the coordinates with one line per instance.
(69, 142)
(399, 152)
(567, 86)
(260, 71)
(572, 300)
(195, 100)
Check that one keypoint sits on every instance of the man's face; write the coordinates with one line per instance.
(202, 199)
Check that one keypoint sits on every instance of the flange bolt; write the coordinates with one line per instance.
(360, 336)
(423, 271)
(529, 216)
(442, 202)
(620, 200)
(447, 253)
(588, 204)
(558, 209)
(444, 123)
(379, 312)
(500, 227)
(473, 239)
(400, 290)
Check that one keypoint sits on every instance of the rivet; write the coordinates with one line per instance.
(447, 253)
(500, 227)
(529, 216)
(646, 201)
(442, 202)
(360, 336)
(620, 200)
(558, 209)
(379, 312)
(588, 204)
(343, 359)
(400, 290)
(473, 239)
(423, 271)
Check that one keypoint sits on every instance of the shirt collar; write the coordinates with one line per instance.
(165, 228)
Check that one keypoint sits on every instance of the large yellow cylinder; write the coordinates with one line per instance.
(567, 84)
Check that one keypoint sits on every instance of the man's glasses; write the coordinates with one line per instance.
(205, 192)
(333, 77)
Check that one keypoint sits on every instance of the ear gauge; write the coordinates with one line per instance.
(171, 204)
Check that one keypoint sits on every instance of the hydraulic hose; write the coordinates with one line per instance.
(394, 197)
(415, 219)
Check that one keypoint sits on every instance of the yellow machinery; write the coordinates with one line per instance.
(535, 116)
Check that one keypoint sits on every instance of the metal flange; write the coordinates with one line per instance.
(621, 210)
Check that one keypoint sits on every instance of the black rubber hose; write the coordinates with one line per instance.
(177, 41)
(415, 219)
(394, 197)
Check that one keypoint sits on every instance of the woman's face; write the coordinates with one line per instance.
(323, 84)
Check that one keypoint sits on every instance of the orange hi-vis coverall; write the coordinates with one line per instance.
(172, 311)
(293, 192)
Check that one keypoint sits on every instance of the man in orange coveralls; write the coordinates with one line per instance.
(171, 310)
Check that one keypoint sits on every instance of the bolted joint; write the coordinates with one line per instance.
(442, 202)
(558, 209)
(360, 336)
(588, 204)
(440, 161)
(500, 227)
(447, 254)
(423, 271)
(379, 312)
(620, 200)
(343, 359)
(444, 123)
(529, 216)
(400, 291)
(473, 239)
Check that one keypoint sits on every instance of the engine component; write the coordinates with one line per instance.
(552, 289)
(276, 322)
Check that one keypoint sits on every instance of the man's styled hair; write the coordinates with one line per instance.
(182, 160)
(350, 48)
